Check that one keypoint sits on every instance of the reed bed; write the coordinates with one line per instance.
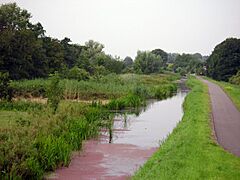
(106, 87)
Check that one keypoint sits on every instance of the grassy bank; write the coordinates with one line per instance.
(190, 151)
(33, 141)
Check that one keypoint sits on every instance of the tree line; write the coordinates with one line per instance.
(27, 53)
(224, 62)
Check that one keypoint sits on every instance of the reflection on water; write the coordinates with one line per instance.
(127, 142)
(151, 125)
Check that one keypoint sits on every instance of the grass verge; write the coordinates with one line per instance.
(190, 151)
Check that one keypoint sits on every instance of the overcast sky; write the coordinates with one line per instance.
(125, 26)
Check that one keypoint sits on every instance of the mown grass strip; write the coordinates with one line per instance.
(190, 152)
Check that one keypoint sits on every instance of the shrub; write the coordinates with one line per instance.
(164, 91)
(235, 79)
(78, 74)
(54, 91)
(141, 91)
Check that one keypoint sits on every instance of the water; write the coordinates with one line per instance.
(134, 139)
(152, 125)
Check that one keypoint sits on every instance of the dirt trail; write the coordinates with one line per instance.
(226, 119)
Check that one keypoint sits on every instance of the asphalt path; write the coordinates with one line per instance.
(226, 119)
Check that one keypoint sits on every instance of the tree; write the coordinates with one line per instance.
(114, 64)
(21, 52)
(91, 55)
(54, 54)
(147, 62)
(13, 18)
(181, 71)
(26, 53)
(188, 62)
(128, 62)
(71, 52)
(93, 48)
(163, 55)
(172, 57)
(197, 56)
(224, 61)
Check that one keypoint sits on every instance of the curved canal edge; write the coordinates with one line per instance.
(135, 138)
(190, 152)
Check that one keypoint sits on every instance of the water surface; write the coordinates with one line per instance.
(152, 125)
(135, 138)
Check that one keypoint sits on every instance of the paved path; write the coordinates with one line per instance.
(226, 119)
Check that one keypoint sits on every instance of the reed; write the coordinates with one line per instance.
(107, 87)
(42, 142)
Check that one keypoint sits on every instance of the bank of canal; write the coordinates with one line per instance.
(134, 139)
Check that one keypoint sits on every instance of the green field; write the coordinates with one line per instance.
(190, 152)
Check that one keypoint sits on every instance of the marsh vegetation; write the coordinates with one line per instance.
(39, 137)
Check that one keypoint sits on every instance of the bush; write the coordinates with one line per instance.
(162, 92)
(99, 71)
(235, 79)
(54, 91)
(78, 74)
(141, 91)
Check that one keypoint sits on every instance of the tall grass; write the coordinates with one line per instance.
(30, 147)
(130, 101)
(107, 87)
(30, 88)
(20, 106)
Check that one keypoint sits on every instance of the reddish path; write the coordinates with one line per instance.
(226, 119)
